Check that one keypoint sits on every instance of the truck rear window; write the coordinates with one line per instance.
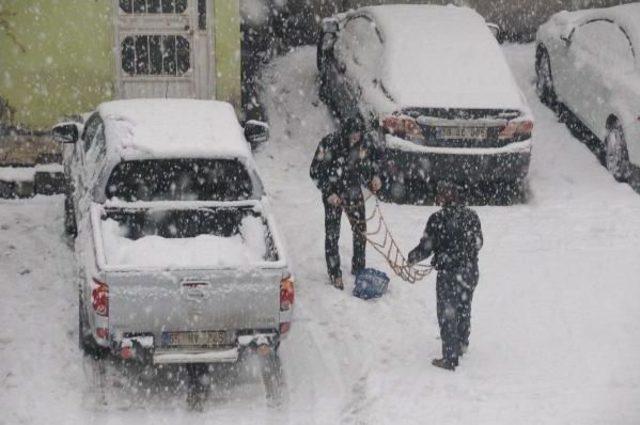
(180, 179)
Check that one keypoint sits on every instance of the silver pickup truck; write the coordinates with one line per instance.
(178, 256)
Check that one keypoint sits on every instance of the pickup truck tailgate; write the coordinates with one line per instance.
(193, 300)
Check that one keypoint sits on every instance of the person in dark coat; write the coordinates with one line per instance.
(454, 236)
(342, 164)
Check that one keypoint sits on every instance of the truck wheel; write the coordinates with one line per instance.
(70, 226)
(86, 342)
(273, 378)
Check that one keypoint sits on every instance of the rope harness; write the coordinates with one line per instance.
(388, 247)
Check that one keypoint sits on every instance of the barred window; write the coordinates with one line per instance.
(167, 55)
(153, 6)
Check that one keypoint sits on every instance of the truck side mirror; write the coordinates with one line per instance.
(66, 132)
(256, 132)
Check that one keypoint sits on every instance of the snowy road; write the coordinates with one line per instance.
(556, 326)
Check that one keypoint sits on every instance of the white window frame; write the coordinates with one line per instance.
(134, 24)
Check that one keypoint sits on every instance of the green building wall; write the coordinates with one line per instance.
(57, 56)
(227, 50)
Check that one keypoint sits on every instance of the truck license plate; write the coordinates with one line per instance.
(194, 339)
(447, 133)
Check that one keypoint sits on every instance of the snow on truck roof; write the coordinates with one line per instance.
(173, 128)
(443, 56)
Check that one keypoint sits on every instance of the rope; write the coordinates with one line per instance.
(388, 247)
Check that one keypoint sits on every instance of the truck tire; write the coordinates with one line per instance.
(86, 342)
(70, 226)
(273, 378)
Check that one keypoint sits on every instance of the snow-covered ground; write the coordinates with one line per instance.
(556, 333)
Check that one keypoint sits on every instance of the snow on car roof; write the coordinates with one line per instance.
(627, 15)
(443, 56)
(173, 128)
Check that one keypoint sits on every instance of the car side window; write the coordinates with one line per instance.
(360, 49)
(98, 145)
(90, 129)
(95, 154)
(591, 38)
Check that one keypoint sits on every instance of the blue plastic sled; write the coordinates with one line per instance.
(370, 283)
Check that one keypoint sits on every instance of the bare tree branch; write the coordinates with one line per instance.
(5, 26)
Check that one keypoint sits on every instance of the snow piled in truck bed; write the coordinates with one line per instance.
(445, 57)
(203, 251)
(173, 128)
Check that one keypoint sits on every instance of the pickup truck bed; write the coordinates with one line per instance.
(189, 282)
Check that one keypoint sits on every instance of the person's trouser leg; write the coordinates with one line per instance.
(447, 315)
(356, 213)
(332, 216)
(469, 281)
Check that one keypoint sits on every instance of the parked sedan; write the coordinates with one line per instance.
(435, 81)
(589, 62)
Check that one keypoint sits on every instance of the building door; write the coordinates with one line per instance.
(164, 48)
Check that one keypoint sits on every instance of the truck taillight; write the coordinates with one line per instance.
(285, 327)
(100, 298)
(517, 129)
(287, 293)
(402, 126)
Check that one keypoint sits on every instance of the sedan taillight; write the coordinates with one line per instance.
(100, 298)
(517, 130)
(402, 126)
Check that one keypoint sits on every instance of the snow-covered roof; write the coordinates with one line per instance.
(443, 56)
(627, 15)
(173, 128)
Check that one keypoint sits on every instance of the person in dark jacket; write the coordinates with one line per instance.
(454, 236)
(342, 164)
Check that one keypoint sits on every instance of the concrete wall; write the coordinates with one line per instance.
(57, 57)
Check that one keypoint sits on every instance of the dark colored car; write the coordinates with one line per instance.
(434, 84)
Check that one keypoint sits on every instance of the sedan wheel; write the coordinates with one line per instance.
(616, 154)
(544, 82)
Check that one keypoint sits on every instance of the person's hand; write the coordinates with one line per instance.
(334, 200)
(412, 258)
(376, 184)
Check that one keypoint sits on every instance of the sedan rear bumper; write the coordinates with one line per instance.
(406, 160)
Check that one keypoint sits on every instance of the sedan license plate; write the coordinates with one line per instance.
(194, 339)
(448, 133)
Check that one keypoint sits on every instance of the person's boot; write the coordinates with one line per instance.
(337, 283)
(445, 364)
(462, 349)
